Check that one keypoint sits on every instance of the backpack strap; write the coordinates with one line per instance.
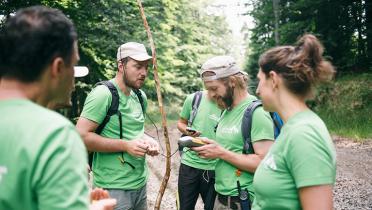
(247, 125)
(140, 98)
(114, 107)
(195, 105)
(278, 123)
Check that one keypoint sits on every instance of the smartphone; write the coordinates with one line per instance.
(191, 130)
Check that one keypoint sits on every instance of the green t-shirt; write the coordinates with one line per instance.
(108, 171)
(230, 137)
(42, 159)
(205, 121)
(302, 156)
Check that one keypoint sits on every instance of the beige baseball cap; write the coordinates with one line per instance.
(221, 66)
(133, 50)
(80, 71)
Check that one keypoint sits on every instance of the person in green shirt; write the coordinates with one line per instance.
(119, 165)
(43, 159)
(300, 169)
(228, 86)
(196, 175)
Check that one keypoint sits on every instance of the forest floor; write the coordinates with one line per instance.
(353, 189)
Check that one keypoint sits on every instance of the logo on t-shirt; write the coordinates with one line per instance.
(269, 162)
(137, 114)
(231, 130)
(3, 170)
(214, 117)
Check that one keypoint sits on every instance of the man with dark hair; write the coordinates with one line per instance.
(120, 146)
(198, 118)
(43, 159)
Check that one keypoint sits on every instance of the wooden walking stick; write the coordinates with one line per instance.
(163, 115)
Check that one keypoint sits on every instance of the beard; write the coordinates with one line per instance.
(228, 98)
(226, 101)
(131, 84)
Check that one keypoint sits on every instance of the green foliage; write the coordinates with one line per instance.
(343, 26)
(346, 106)
(153, 114)
(184, 36)
(345, 29)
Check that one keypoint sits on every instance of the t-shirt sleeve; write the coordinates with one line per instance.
(309, 160)
(262, 126)
(97, 104)
(187, 107)
(60, 176)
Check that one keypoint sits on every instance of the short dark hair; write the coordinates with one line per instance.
(31, 39)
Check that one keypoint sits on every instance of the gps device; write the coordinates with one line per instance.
(188, 141)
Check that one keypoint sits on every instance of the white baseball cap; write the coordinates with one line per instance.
(221, 66)
(133, 50)
(80, 71)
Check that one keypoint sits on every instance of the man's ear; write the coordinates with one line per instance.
(232, 82)
(57, 67)
(120, 67)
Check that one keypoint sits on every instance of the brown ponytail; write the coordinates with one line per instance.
(301, 66)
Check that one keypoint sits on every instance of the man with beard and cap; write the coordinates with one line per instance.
(234, 170)
(119, 164)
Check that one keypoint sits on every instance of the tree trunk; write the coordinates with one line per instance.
(368, 11)
(357, 15)
(276, 15)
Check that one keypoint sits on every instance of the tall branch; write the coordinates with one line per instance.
(160, 100)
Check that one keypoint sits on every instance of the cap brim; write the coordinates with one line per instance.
(80, 71)
(141, 57)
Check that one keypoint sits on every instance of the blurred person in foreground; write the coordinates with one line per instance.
(43, 159)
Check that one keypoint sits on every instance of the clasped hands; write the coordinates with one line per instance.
(142, 146)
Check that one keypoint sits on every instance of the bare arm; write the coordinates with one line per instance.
(246, 162)
(318, 197)
(97, 143)
(181, 125)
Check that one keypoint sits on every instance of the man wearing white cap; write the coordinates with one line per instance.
(234, 169)
(120, 147)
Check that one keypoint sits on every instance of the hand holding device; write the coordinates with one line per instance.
(189, 141)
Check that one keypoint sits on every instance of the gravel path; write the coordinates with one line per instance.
(353, 189)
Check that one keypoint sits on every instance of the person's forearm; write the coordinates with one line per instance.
(97, 143)
(182, 127)
(244, 162)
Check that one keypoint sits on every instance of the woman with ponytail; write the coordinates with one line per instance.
(299, 170)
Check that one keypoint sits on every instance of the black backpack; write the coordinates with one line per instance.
(114, 110)
(195, 105)
(247, 125)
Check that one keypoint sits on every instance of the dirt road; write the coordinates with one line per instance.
(353, 188)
